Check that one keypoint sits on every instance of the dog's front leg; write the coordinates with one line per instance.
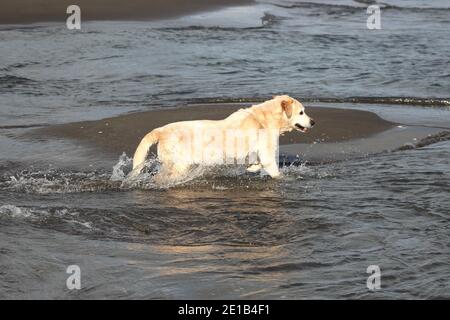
(268, 152)
(269, 163)
(272, 169)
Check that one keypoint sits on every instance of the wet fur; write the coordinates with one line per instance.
(279, 115)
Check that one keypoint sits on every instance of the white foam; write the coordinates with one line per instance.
(15, 212)
(228, 17)
(33, 214)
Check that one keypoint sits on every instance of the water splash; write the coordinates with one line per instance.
(57, 181)
(121, 168)
(15, 212)
(43, 217)
(150, 177)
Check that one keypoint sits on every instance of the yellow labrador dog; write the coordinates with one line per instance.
(247, 136)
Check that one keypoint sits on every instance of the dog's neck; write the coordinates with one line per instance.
(261, 111)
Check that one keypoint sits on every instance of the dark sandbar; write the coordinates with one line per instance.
(123, 133)
(26, 11)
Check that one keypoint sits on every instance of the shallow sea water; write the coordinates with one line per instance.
(225, 233)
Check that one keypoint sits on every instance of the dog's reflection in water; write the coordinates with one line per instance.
(208, 214)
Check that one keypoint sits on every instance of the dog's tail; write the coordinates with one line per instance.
(143, 148)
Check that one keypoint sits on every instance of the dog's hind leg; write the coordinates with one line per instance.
(173, 172)
(170, 173)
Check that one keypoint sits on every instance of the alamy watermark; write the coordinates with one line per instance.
(231, 146)
(73, 22)
(374, 19)
(374, 280)
(74, 280)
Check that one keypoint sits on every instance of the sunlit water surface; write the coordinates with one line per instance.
(225, 233)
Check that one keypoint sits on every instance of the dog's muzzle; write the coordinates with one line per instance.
(300, 128)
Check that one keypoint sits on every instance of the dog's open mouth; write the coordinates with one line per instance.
(300, 128)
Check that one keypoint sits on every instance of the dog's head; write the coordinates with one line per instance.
(293, 115)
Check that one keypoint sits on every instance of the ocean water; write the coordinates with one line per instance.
(224, 233)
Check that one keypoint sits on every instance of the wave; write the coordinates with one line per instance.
(357, 6)
(9, 81)
(24, 126)
(19, 65)
(431, 139)
(415, 101)
(41, 215)
(431, 102)
(57, 218)
(53, 181)
(267, 20)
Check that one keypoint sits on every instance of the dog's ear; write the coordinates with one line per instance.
(286, 105)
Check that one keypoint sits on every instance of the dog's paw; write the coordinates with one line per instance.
(276, 176)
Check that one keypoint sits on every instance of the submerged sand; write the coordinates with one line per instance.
(26, 11)
(123, 133)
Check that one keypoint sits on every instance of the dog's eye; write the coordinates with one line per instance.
(301, 112)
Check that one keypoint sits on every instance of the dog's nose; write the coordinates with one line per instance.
(312, 122)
